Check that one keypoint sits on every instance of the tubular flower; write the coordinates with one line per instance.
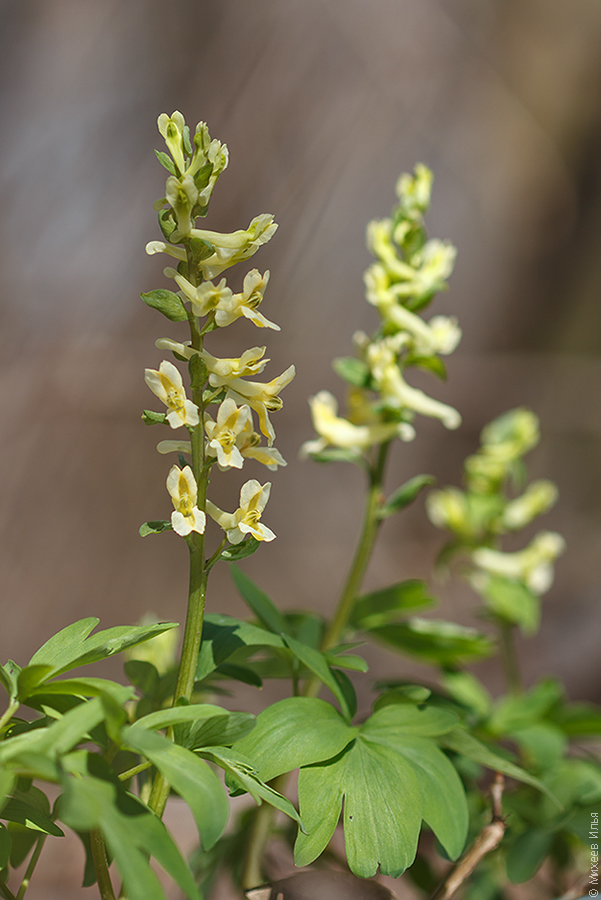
(337, 432)
(153, 247)
(533, 565)
(440, 335)
(221, 370)
(536, 499)
(394, 390)
(172, 130)
(205, 297)
(249, 445)
(223, 434)
(174, 447)
(181, 194)
(207, 151)
(168, 386)
(246, 303)
(263, 398)
(246, 519)
(234, 247)
(186, 517)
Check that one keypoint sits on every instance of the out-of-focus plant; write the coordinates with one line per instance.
(409, 782)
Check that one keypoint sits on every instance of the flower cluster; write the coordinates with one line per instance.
(409, 270)
(227, 436)
(508, 582)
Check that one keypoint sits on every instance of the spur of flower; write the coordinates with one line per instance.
(263, 398)
(338, 432)
(222, 371)
(232, 248)
(186, 517)
(166, 382)
(245, 520)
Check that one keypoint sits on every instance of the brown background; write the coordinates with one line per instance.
(322, 104)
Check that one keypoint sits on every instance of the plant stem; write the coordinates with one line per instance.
(6, 891)
(488, 840)
(509, 658)
(101, 865)
(125, 776)
(8, 714)
(196, 543)
(264, 815)
(32, 864)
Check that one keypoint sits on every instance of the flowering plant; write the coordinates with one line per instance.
(410, 781)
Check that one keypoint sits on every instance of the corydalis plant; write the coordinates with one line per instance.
(225, 437)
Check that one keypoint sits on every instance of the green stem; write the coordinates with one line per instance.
(8, 714)
(6, 891)
(30, 868)
(263, 818)
(125, 776)
(509, 658)
(196, 543)
(101, 865)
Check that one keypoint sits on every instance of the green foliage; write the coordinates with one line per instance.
(167, 303)
(405, 495)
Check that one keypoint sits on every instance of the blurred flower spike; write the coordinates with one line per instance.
(409, 270)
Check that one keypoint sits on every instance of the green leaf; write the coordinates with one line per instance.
(246, 675)
(132, 833)
(200, 250)
(521, 711)
(432, 364)
(260, 604)
(5, 846)
(382, 809)
(9, 675)
(58, 738)
(156, 527)
(466, 689)
(7, 781)
(399, 720)
(461, 741)
(142, 675)
(85, 687)
(223, 635)
(153, 418)
(72, 647)
(240, 551)
(352, 370)
(405, 495)
(30, 817)
(239, 767)
(543, 744)
(578, 719)
(190, 776)
(513, 602)
(435, 641)
(218, 731)
(347, 661)
(178, 715)
(165, 161)
(167, 223)
(166, 302)
(386, 605)
(294, 732)
(444, 803)
(527, 854)
(317, 663)
(403, 693)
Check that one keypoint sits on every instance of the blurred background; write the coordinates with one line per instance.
(322, 104)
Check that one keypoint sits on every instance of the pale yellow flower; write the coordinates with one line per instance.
(186, 517)
(174, 447)
(168, 386)
(153, 247)
(246, 303)
(533, 565)
(223, 434)
(207, 151)
(206, 297)
(249, 445)
(172, 130)
(394, 390)
(538, 497)
(222, 371)
(337, 432)
(263, 398)
(182, 195)
(236, 246)
(246, 519)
